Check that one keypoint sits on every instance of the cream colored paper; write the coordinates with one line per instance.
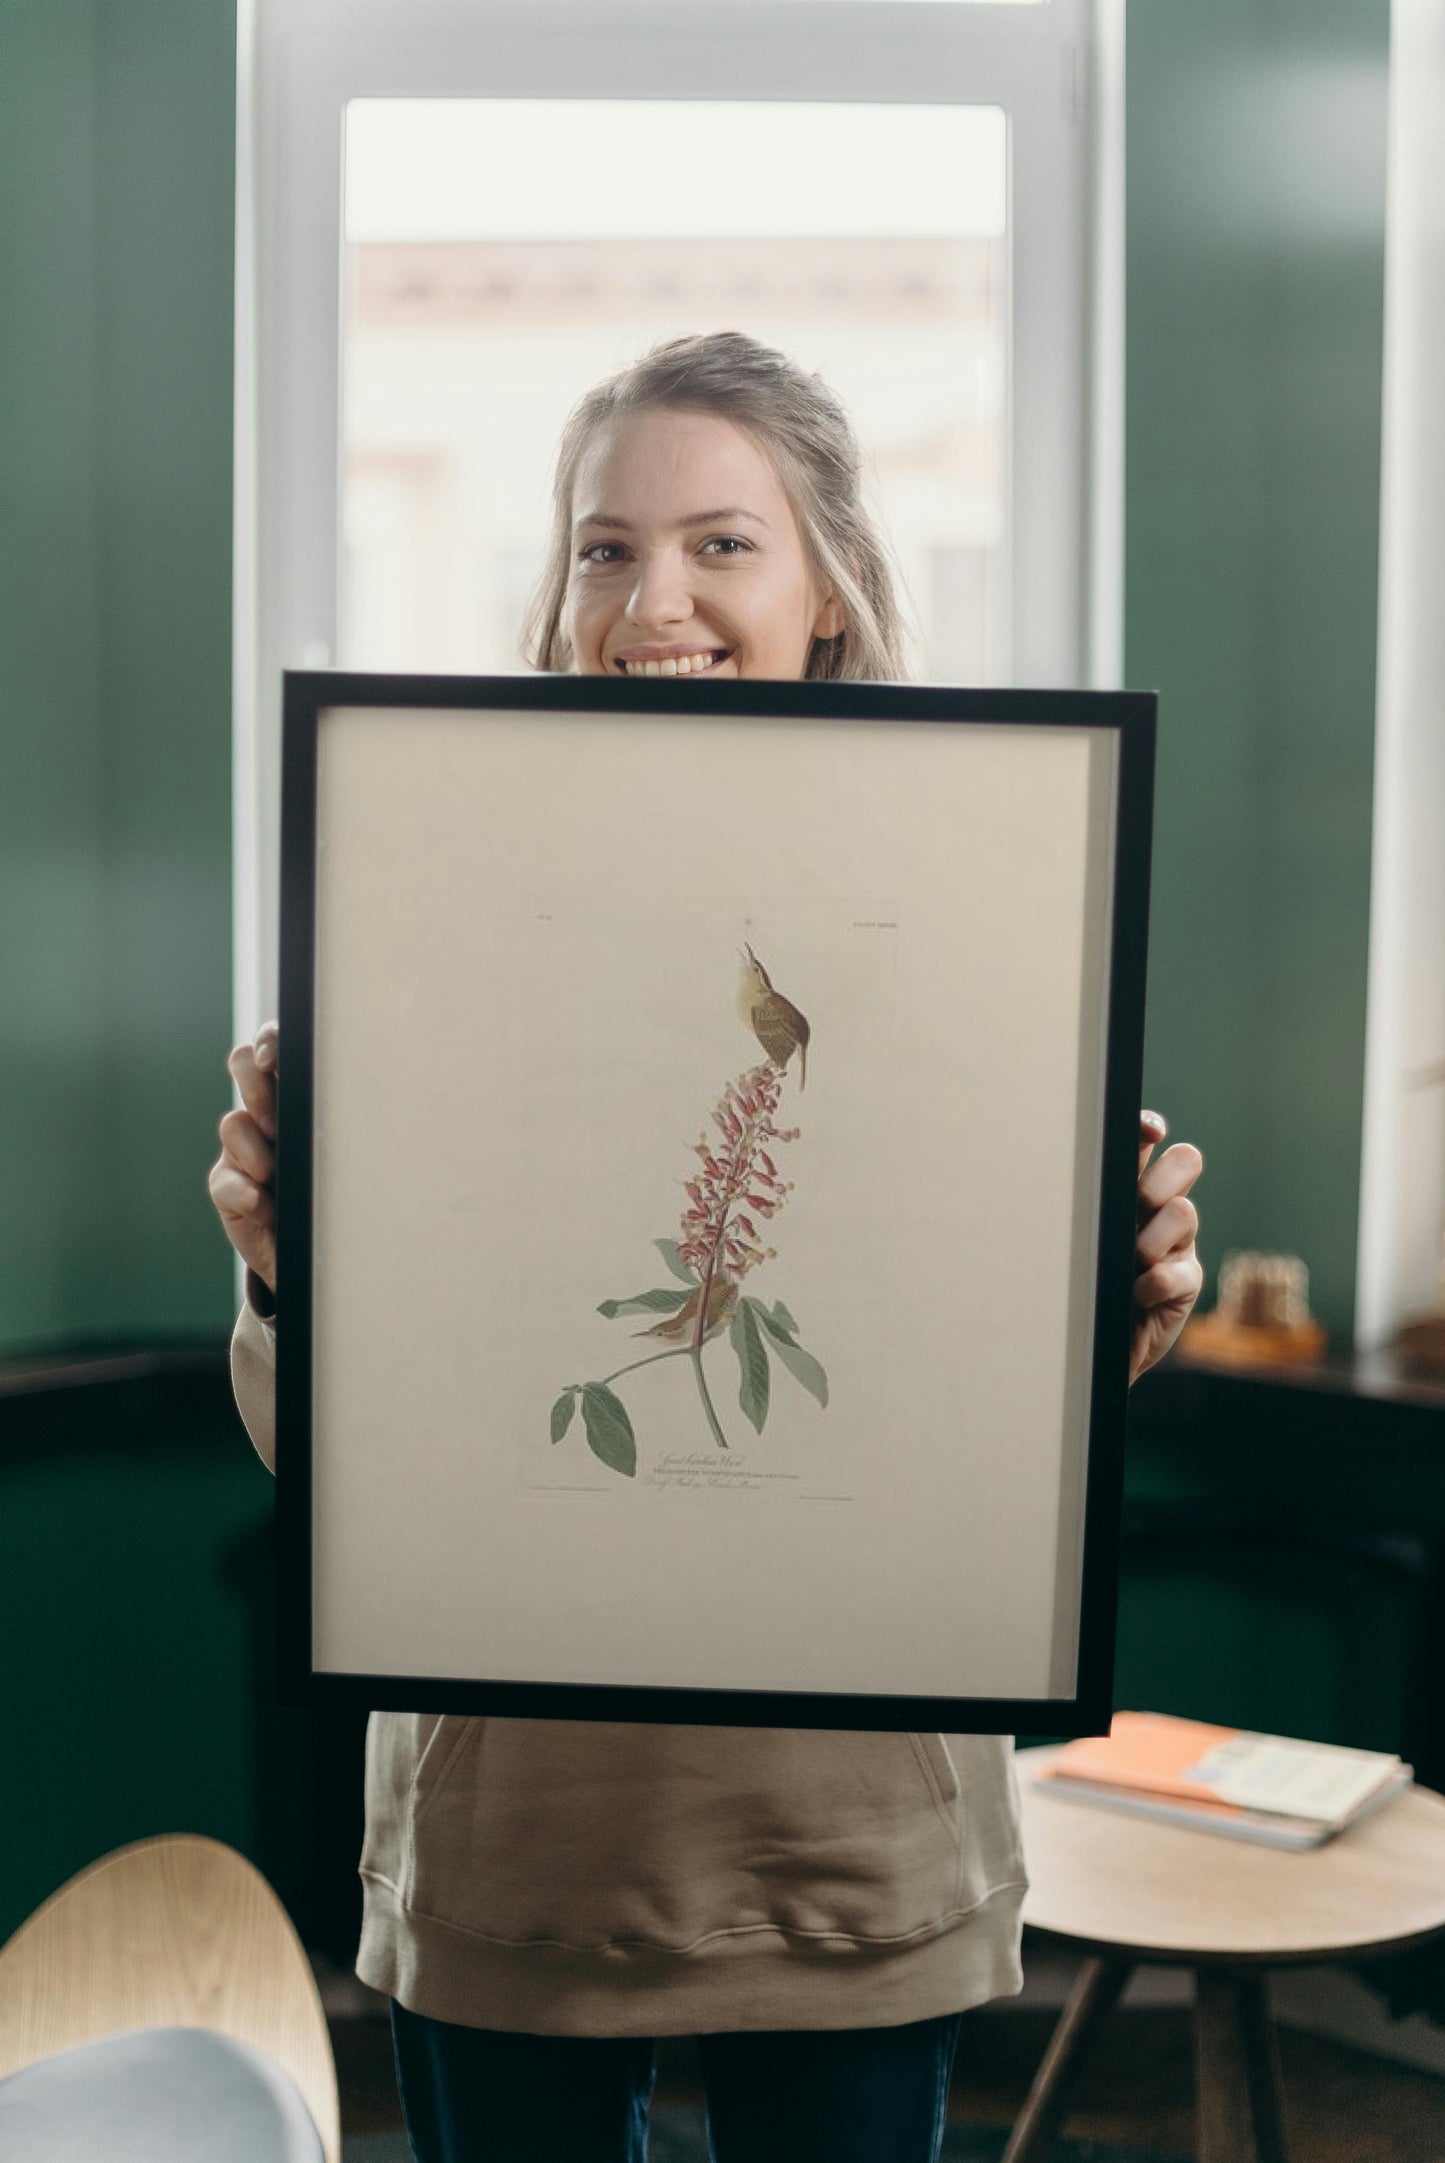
(528, 954)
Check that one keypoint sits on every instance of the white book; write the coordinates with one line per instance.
(1267, 1828)
(1321, 1781)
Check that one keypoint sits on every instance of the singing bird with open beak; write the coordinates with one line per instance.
(774, 1020)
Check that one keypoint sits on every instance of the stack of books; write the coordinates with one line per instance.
(1269, 1788)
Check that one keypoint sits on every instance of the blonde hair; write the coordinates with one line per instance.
(804, 428)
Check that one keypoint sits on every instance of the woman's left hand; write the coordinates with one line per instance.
(1168, 1275)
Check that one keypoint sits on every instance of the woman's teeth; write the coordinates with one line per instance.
(687, 664)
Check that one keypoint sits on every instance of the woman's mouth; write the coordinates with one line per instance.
(682, 664)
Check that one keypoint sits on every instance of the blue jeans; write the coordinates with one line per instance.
(832, 2095)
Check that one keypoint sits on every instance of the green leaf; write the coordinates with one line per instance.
(803, 1368)
(752, 1354)
(776, 1319)
(562, 1412)
(609, 1430)
(671, 1254)
(664, 1302)
(800, 1364)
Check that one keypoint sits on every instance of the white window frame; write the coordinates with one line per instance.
(1050, 67)
(1402, 1164)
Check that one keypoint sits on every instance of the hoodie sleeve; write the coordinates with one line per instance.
(253, 1369)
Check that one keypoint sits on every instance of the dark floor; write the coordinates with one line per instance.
(1343, 2105)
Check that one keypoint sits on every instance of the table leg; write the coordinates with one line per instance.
(1095, 1994)
(1261, 2045)
(1241, 2117)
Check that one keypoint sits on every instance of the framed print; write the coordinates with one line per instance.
(708, 1142)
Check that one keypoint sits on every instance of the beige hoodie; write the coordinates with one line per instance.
(564, 1877)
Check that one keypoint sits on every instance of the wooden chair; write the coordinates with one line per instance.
(1126, 1890)
(176, 1932)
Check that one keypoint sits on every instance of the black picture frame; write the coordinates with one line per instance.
(1131, 718)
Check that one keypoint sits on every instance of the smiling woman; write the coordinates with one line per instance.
(644, 576)
(544, 1896)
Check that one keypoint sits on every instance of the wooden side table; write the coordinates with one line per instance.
(1125, 1890)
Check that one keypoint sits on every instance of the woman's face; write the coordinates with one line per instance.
(686, 556)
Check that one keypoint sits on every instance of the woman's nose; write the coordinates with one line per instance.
(661, 594)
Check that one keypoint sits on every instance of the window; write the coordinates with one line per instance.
(908, 197)
(499, 262)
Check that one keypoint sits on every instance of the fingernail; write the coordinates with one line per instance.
(1156, 1119)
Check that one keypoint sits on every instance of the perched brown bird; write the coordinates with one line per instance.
(679, 1328)
(774, 1020)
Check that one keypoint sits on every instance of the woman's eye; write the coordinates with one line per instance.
(727, 544)
(602, 552)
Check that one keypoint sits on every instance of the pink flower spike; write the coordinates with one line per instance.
(735, 1176)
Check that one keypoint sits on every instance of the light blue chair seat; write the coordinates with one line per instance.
(156, 2095)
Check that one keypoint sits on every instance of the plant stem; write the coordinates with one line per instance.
(699, 1327)
(707, 1404)
(651, 1361)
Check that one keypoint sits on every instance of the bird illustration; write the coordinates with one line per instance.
(679, 1328)
(774, 1020)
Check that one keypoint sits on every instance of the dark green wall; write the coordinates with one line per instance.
(128, 1573)
(1255, 267)
(135, 1526)
(52, 909)
(137, 1604)
(116, 154)
(1255, 273)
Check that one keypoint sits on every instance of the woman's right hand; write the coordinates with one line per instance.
(241, 1180)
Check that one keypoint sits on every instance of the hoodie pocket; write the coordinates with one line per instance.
(939, 1771)
(443, 1746)
(452, 1735)
(587, 1835)
(404, 1753)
